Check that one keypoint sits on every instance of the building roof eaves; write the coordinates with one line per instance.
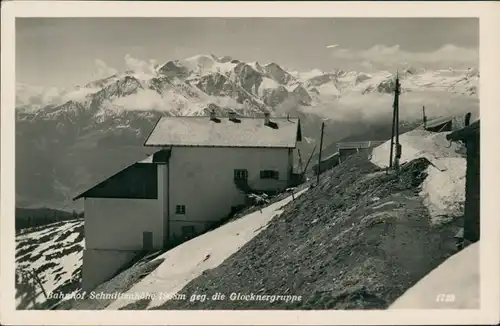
(464, 133)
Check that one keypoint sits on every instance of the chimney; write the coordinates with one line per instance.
(266, 118)
(232, 115)
(212, 115)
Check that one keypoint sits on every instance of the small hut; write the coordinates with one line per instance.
(470, 136)
(327, 163)
(442, 124)
(346, 149)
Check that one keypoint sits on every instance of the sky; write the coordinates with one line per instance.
(65, 52)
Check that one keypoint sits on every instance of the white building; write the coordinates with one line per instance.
(201, 170)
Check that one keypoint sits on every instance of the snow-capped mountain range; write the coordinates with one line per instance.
(189, 86)
(69, 141)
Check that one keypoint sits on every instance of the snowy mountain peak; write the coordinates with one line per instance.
(257, 66)
(62, 132)
(174, 69)
(278, 74)
(190, 85)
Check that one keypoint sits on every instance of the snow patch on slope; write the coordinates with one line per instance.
(452, 285)
(206, 64)
(267, 85)
(31, 98)
(79, 94)
(415, 144)
(443, 190)
(257, 67)
(54, 253)
(304, 76)
(328, 89)
(204, 252)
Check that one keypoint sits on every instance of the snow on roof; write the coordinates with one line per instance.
(330, 156)
(245, 132)
(359, 144)
(438, 121)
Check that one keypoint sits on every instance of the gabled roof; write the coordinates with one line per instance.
(243, 132)
(330, 156)
(438, 121)
(135, 181)
(359, 144)
(465, 133)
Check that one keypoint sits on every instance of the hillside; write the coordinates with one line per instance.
(444, 288)
(53, 253)
(359, 240)
(69, 142)
(365, 239)
(205, 251)
(27, 219)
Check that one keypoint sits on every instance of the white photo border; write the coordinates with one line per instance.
(489, 17)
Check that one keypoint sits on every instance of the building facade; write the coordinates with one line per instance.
(346, 149)
(326, 164)
(201, 170)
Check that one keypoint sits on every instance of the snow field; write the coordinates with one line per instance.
(59, 269)
(443, 190)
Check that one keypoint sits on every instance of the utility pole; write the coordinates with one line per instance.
(396, 109)
(392, 138)
(395, 126)
(392, 133)
(424, 117)
(309, 159)
(319, 157)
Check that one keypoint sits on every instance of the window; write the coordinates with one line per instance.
(180, 209)
(240, 174)
(269, 174)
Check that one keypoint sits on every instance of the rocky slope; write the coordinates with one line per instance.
(359, 240)
(54, 254)
(69, 142)
(365, 239)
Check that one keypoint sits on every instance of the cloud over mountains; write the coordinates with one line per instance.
(379, 56)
